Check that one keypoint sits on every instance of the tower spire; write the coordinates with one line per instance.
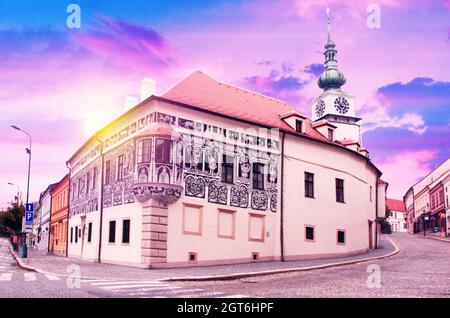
(329, 25)
(331, 78)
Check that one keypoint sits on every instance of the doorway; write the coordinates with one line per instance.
(370, 235)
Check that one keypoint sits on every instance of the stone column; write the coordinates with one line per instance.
(154, 234)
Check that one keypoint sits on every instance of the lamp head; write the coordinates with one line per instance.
(15, 127)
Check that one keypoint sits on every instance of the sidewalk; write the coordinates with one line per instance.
(58, 265)
(438, 238)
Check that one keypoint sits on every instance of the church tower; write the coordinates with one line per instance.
(334, 105)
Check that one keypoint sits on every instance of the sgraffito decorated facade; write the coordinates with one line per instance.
(209, 173)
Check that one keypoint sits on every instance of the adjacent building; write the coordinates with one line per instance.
(209, 173)
(408, 199)
(36, 223)
(58, 218)
(397, 215)
(429, 205)
(43, 228)
(446, 184)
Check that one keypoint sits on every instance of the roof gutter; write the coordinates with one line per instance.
(101, 198)
(282, 199)
(68, 209)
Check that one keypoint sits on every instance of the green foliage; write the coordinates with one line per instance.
(11, 219)
(388, 213)
(385, 227)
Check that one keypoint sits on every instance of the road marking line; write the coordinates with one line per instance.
(171, 292)
(166, 290)
(128, 282)
(51, 277)
(5, 277)
(207, 294)
(29, 277)
(235, 296)
(133, 286)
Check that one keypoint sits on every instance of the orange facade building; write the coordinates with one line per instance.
(58, 218)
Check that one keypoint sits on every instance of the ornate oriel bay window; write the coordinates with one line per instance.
(158, 172)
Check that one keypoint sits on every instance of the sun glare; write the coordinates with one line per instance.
(95, 120)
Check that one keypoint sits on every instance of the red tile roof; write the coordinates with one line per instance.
(202, 91)
(395, 205)
(348, 142)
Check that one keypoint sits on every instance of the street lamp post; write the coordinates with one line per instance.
(18, 191)
(28, 150)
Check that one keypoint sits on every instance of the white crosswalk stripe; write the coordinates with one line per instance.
(5, 277)
(106, 283)
(51, 277)
(29, 277)
(155, 289)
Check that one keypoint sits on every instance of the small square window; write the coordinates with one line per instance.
(192, 257)
(309, 233)
(341, 237)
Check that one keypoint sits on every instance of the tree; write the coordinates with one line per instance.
(11, 219)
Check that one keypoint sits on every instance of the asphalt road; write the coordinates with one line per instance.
(421, 269)
(18, 283)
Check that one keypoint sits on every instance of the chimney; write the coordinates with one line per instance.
(130, 102)
(148, 88)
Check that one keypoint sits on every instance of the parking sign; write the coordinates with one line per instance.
(29, 213)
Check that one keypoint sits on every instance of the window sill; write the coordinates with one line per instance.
(310, 197)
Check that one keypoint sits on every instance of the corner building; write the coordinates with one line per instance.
(209, 173)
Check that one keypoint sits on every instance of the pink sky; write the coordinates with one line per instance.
(53, 79)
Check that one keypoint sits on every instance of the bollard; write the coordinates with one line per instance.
(24, 250)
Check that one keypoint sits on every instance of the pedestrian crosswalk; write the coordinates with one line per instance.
(26, 276)
(154, 289)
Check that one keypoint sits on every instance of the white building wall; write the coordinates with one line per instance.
(83, 249)
(118, 252)
(323, 212)
(44, 222)
(397, 221)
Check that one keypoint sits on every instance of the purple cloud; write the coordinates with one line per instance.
(315, 69)
(426, 96)
(131, 45)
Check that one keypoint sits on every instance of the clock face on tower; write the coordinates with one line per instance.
(341, 105)
(320, 108)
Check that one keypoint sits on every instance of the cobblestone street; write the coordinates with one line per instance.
(421, 269)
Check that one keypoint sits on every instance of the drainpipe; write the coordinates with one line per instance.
(68, 209)
(282, 199)
(376, 213)
(101, 199)
(49, 221)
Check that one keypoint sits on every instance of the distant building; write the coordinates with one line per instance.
(408, 200)
(58, 219)
(430, 210)
(397, 216)
(43, 228)
(446, 185)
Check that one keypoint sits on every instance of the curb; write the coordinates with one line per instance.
(280, 271)
(437, 239)
(224, 277)
(21, 263)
